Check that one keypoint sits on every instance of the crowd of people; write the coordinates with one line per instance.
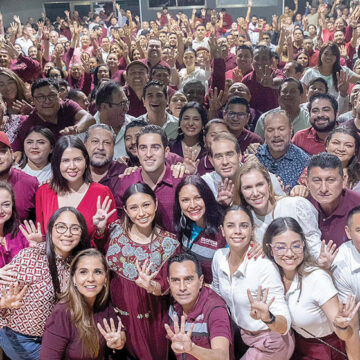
(181, 188)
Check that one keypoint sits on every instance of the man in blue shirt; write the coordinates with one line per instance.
(278, 154)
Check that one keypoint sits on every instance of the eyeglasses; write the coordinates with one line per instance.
(61, 228)
(121, 103)
(239, 115)
(281, 248)
(42, 98)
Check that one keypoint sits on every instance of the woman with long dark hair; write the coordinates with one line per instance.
(137, 252)
(197, 217)
(329, 68)
(192, 120)
(45, 270)
(310, 293)
(71, 329)
(38, 147)
(72, 185)
(252, 290)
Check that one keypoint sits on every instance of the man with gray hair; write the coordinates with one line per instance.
(278, 154)
(100, 142)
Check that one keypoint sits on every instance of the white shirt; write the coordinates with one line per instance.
(203, 43)
(171, 125)
(42, 175)
(346, 271)
(312, 73)
(250, 274)
(198, 74)
(25, 44)
(299, 209)
(305, 308)
(119, 148)
(213, 179)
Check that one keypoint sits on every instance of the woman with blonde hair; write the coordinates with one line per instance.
(254, 190)
(71, 330)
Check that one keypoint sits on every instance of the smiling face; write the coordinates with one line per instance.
(343, 146)
(192, 204)
(185, 283)
(189, 59)
(112, 60)
(328, 57)
(65, 243)
(47, 101)
(6, 206)
(151, 153)
(37, 148)
(137, 76)
(100, 146)
(287, 250)
(256, 191)
(155, 100)
(73, 165)
(244, 59)
(141, 209)
(130, 140)
(237, 230)
(236, 117)
(8, 88)
(352, 230)
(154, 50)
(322, 115)
(90, 277)
(191, 123)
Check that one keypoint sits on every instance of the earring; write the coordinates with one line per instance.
(182, 220)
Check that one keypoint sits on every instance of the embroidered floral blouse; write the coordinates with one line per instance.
(32, 269)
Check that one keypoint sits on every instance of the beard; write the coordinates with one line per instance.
(330, 126)
(100, 163)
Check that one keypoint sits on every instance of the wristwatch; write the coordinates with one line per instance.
(272, 319)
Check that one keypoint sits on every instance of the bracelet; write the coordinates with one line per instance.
(272, 319)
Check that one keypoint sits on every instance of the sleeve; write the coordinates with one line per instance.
(218, 75)
(348, 33)
(39, 208)
(270, 278)
(219, 323)
(68, 56)
(341, 273)
(31, 68)
(307, 77)
(57, 335)
(307, 217)
(71, 108)
(214, 268)
(86, 88)
(276, 185)
(343, 104)
(323, 287)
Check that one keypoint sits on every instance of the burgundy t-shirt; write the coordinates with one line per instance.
(66, 117)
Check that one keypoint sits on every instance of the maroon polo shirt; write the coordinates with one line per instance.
(262, 98)
(210, 318)
(204, 166)
(309, 141)
(164, 191)
(26, 68)
(246, 138)
(313, 58)
(25, 187)
(136, 107)
(112, 181)
(66, 117)
(230, 62)
(333, 227)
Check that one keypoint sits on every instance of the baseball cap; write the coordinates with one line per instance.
(4, 139)
(137, 62)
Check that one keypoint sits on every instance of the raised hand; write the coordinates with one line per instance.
(216, 99)
(115, 339)
(259, 307)
(178, 170)
(102, 213)
(346, 312)
(32, 233)
(22, 107)
(13, 53)
(190, 161)
(17, 19)
(343, 80)
(12, 299)
(327, 254)
(180, 340)
(145, 279)
(225, 192)
(299, 190)
(7, 276)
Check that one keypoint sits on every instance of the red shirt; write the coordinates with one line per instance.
(26, 68)
(136, 107)
(314, 58)
(246, 138)
(25, 187)
(66, 117)
(309, 141)
(210, 318)
(333, 227)
(47, 203)
(164, 191)
(262, 98)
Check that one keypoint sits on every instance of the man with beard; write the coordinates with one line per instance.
(322, 109)
(113, 106)
(278, 154)
(100, 143)
(289, 101)
(24, 185)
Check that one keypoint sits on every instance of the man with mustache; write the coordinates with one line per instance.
(322, 109)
